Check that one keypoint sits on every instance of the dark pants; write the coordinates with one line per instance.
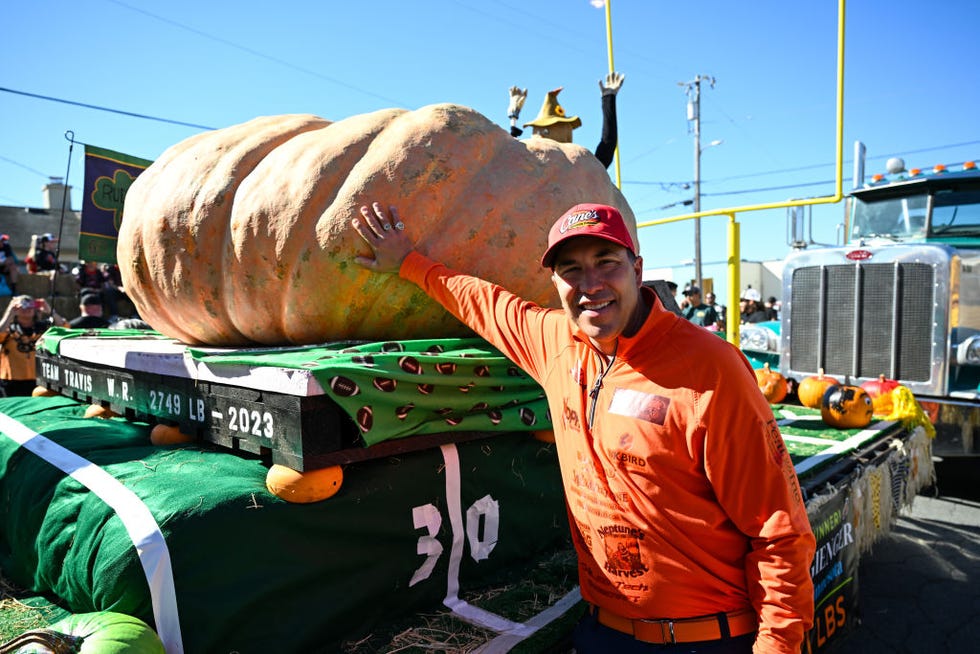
(17, 387)
(590, 637)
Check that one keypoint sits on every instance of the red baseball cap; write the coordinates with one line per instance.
(598, 220)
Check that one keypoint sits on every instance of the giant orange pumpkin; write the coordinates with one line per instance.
(242, 235)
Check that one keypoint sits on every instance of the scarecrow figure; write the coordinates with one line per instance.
(552, 122)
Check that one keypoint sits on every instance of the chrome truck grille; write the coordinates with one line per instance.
(868, 317)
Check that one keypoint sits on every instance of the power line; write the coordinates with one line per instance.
(24, 166)
(770, 188)
(797, 169)
(256, 53)
(98, 108)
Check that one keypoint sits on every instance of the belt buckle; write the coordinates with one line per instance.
(666, 630)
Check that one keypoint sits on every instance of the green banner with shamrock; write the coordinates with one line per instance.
(108, 176)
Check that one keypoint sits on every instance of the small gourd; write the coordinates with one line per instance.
(304, 487)
(880, 391)
(812, 389)
(43, 391)
(99, 411)
(846, 407)
(772, 384)
(163, 434)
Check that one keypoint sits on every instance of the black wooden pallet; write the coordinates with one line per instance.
(301, 432)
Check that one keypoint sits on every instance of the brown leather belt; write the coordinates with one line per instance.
(687, 630)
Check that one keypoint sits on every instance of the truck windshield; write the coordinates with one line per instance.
(895, 217)
(956, 213)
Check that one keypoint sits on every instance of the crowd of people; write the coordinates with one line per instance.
(100, 291)
(713, 316)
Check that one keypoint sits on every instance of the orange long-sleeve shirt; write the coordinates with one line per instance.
(683, 501)
(17, 356)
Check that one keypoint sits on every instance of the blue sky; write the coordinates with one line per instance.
(911, 86)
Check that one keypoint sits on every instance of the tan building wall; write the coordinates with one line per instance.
(20, 223)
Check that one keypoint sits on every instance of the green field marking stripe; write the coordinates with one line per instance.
(809, 440)
(842, 447)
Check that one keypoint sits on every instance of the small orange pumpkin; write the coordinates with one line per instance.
(43, 391)
(846, 407)
(304, 487)
(813, 388)
(772, 384)
(162, 434)
(99, 411)
(544, 435)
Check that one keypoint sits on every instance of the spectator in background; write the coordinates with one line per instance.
(697, 311)
(8, 264)
(772, 308)
(89, 276)
(30, 261)
(709, 299)
(752, 310)
(113, 289)
(90, 306)
(99, 279)
(45, 257)
(22, 324)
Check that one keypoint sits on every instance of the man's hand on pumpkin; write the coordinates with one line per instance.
(612, 83)
(385, 233)
(517, 98)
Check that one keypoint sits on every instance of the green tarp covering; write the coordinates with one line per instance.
(253, 573)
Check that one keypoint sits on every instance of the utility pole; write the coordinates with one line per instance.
(693, 90)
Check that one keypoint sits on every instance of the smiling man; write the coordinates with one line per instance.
(684, 507)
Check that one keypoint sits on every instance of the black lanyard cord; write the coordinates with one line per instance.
(597, 386)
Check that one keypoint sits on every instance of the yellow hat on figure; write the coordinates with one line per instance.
(552, 113)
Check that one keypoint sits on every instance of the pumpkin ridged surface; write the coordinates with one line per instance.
(272, 262)
(171, 248)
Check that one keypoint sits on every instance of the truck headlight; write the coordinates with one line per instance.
(968, 352)
(759, 339)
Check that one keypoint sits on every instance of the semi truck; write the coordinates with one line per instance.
(898, 295)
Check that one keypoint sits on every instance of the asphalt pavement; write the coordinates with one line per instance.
(919, 587)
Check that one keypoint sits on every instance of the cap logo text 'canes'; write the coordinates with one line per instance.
(580, 219)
